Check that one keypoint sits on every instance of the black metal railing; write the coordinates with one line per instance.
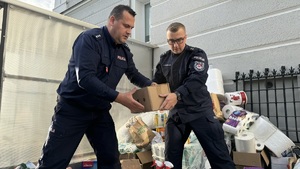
(274, 94)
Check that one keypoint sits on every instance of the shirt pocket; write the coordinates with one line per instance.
(166, 69)
(118, 69)
(121, 64)
(103, 69)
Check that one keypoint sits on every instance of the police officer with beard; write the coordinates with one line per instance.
(185, 69)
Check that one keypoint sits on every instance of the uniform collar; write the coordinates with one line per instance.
(179, 54)
(109, 38)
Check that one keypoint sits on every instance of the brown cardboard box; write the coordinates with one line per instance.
(149, 96)
(251, 159)
(127, 156)
(245, 167)
(146, 159)
(130, 164)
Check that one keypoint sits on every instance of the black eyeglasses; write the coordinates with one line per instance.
(173, 41)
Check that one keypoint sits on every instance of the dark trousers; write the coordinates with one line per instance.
(210, 135)
(69, 124)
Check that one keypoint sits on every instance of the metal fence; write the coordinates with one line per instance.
(274, 94)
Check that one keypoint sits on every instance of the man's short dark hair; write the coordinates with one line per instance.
(174, 27)
(117, 12)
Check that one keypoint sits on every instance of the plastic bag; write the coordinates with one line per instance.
(27, 165)
(141, 133)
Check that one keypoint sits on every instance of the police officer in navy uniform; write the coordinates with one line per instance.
(185, 69)
(99, 59)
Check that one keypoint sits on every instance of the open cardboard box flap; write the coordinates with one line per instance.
(145, 158)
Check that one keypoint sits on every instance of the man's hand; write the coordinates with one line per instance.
(128, 101)
(169, 102)
(153, 84)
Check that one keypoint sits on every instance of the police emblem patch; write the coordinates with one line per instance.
(199, 66)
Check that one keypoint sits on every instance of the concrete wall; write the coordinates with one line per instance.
(92, 11)
(96, 12)
(236, 35)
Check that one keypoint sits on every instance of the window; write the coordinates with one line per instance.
(142, 20)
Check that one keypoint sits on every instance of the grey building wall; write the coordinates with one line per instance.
(96, 12)
(92, 11)
(237, 35)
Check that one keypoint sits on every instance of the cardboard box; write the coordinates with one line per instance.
(280, 162)
(127, 156)
(243, 167)
(149, 96)
(130, 164)
(140, 160)
(251, 159)
(145, 159)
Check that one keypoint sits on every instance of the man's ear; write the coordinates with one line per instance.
(112, 20)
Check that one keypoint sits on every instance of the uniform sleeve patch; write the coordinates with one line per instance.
(199, 58)
(199, 66)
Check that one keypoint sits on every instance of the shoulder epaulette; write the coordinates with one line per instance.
(95, 32)
(165, 53)
(98, 36)
(190, 48)
(193, 49)
(126, 46)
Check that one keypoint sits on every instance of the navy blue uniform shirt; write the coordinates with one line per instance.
(186, 73)
(95, 69)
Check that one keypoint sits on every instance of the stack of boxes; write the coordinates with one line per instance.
(193, 155)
